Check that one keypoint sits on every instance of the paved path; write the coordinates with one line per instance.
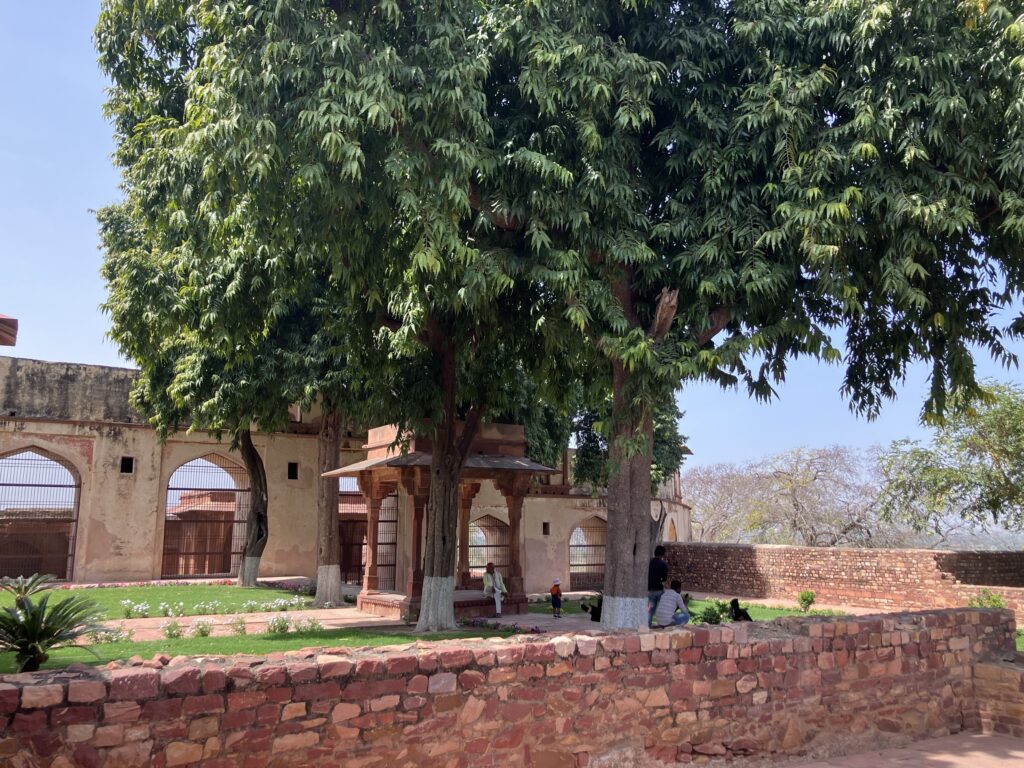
(965, 750)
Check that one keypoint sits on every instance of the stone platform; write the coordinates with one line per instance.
(469, 604)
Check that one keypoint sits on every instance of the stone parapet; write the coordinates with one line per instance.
(889, 579)
(691, 694)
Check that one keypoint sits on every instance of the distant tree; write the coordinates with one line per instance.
(812, 497)
(973, 467)
(720, 498)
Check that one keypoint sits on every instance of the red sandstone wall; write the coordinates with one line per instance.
(893, 579)
(674, 696)
(1000, 693)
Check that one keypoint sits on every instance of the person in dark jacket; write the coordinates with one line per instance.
(594, 610)
(657, 575)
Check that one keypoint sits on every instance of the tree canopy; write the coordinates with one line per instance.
(701, 190)
(973, 466)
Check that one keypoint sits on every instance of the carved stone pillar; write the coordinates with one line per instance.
(514, 490)
(417, 487)
(370, 580)
(467, 492)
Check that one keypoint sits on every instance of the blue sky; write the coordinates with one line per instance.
(55, 153)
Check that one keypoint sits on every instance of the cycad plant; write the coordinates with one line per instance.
(32, 627)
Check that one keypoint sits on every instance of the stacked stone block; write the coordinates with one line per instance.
(690, 695)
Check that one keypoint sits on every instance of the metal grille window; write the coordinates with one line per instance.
(488, 543)
(387, 544)
(586, 554)
(39, 498)
(208, 502)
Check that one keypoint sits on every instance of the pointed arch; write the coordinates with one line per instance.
(671, 534)
(587, 544)
(488, 543)
(40, 495)
(207, 503)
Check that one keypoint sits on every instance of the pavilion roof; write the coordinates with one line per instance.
(8, 331)
(480, 462)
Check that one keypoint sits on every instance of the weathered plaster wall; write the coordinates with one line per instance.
(693, 694)
(80, 415)
(44, 390)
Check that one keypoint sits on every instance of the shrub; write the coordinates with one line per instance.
(203, 609)
(172, 629)
(349, 599)
(986, 599)
(32, 627)
(279, 625)
(202, 628)
(722, 606)
(710, 615)
(111, 635)
(308, 625)
(250, 606)
(171, 609)
(806, 600)
(238, 625)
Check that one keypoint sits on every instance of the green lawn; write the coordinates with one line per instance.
(757, 612)
(191, 596)
(260, 644)
(1020, 639)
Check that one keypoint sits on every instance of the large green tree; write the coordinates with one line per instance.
(973, 466)
(716, 188)
(275, 135)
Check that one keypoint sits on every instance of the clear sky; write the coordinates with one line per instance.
(55, 150)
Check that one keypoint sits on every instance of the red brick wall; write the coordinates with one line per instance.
(796, 686)
(999, 689)
(892, 579)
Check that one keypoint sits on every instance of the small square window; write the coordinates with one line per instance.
(293, 470)
(127, 465)
(545, 528)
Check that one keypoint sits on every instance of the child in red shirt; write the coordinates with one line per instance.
(556, 598)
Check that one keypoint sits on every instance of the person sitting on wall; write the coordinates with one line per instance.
(736, 613)
(595, 609)
(494, 587)
(673, 609)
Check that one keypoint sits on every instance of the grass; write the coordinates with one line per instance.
(230, 597)
(258, 644)
(757, 612)
(1020, 639)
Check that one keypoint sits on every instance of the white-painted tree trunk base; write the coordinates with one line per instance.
(624, 612)
(249, 572)
(437, 605)
(328, 586)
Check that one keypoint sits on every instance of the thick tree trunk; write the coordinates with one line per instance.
(437, 610)
(256, 528)
(629, 512)
(328, 553)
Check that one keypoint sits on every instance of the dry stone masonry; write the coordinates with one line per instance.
(890, 579)
(690, 695)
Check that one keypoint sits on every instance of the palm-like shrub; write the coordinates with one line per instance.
(32, 627)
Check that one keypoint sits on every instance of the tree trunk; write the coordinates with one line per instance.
(437, 610)
(629, 511)
(328, 554)
(256, 528)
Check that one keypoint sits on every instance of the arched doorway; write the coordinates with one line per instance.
(671, 535)
(586, 554)
(208, 502)
(488, 543)
(39, 496)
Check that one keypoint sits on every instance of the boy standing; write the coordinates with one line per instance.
(556, 598)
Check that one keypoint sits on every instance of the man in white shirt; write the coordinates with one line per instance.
(671, 601)
(494, 587)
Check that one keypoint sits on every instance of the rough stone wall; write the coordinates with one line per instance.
(999, 689)
(34, 389)
(893, 579)
(693, 694)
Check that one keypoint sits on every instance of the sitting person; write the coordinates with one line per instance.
(736, 613)
(673, 609)
(594, 610)
(494, 587)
